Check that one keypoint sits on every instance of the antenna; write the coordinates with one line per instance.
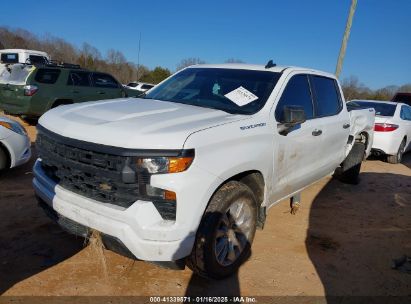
(270, 64)
(138, 58)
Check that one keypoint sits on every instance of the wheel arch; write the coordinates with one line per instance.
(254, 179)
(60, 101)
(364, 138)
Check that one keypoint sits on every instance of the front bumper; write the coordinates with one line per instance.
(18, 147)
(140, 227)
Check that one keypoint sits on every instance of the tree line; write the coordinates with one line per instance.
(115, 63)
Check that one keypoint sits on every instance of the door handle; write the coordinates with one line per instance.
(346, 126)
(101, 93)
(317, 132)
(74, 91)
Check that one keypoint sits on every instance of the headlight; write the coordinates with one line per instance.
(165, 164)
(13, 126)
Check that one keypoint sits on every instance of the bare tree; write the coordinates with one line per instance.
(188, 62)
(233, 60)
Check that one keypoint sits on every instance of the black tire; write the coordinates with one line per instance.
(4, 162)
(203, 259)
(351, 166)
(31, 121)
(396, 159)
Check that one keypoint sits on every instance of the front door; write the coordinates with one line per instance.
(106, 86)
(297, 153)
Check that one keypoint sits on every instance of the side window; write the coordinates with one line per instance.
(146, 86)
(81, 79)
(35, 59)
(403, 113)
(327, 97)
(104, 81)
(407, 112)
(9, 58)
(296, 93)
(48, 76)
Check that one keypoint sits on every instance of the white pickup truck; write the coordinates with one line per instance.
(186, 173)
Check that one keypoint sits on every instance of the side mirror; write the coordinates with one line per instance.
(293, 115)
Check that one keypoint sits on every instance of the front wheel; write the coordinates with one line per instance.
(396, 159)
(227, 229)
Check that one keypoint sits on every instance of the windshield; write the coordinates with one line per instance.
(381, 108)
(231, 90)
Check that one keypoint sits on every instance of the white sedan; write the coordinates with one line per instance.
(140, 86)
(392, 131)
(14, 144)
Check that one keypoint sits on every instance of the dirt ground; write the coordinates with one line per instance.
(341, 242)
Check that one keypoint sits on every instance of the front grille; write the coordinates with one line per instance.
(104, 177)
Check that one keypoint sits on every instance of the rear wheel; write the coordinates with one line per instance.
(3, 159)
(396, 159)
(350, 168)
(224, 238)
(31, 121)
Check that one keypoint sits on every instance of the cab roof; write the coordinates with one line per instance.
(257, 67)
(23, 51)
(379, 101)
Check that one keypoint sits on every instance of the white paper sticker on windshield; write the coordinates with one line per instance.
(241, 96)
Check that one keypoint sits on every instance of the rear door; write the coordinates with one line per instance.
(106, 86)
(333, 121)
(298, 153)
(79, 86)
(406, 120)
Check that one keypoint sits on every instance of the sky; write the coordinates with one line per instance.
(304, 33)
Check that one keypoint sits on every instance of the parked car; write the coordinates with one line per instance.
(392, 134)
(140, 86)
(13, 56)
(31, 90)
(14, 144)
(402, 97)
(187, 173)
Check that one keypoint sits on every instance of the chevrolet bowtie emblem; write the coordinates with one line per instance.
(104, 186)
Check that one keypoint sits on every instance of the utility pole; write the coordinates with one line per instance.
(345, 38)
(138, 58)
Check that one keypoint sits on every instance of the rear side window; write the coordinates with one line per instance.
(35, 59)
(81, 79)
(296, 93)
(327, 97)
(104, 81)
(406, 113)
(49, 76)
(9, 57)
(132, 84)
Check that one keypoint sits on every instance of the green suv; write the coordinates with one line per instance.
(29, 91)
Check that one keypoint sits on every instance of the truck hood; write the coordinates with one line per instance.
(133, 123)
